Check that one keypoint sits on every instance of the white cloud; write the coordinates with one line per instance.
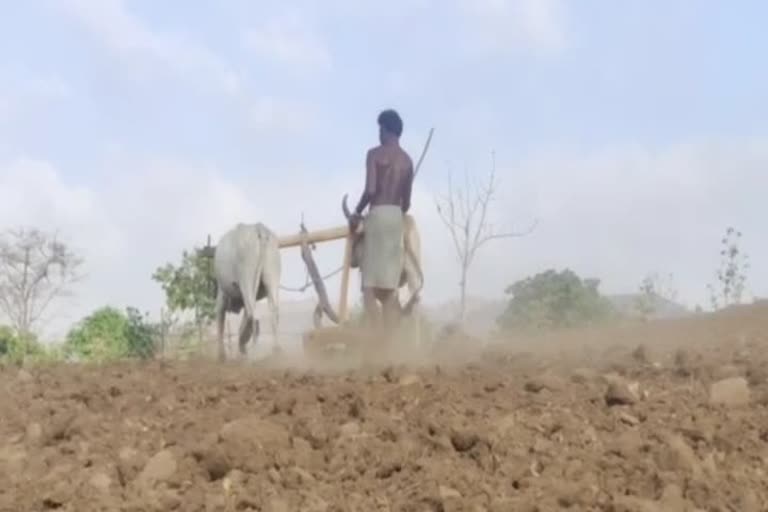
(271, 114)
(620, 213)
(290, 40)
(53, 200)
(21, 90)
(33, 193)
(126, 35)
(502, 25)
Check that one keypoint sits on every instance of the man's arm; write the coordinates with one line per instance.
(407, 188)
(370, 183)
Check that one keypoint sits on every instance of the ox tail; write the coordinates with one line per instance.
(253, 281)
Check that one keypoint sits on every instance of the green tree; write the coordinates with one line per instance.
(732, 274)
(191, 286)
(142, 335)
(108, 334)
(15, 348)
(553, 299)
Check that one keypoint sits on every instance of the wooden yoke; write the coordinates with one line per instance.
(321, 235)
(343, 294)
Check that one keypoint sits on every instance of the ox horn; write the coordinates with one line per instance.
(345, 208)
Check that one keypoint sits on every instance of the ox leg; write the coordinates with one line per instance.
(247, 326)
(274, 318)
(221, 314)
(270, 277)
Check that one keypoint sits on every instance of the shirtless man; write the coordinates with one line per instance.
(388, 184)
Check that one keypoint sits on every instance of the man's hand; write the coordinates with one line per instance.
(354, 222)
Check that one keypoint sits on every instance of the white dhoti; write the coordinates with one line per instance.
(382, 262)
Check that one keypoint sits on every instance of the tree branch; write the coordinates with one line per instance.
(35, 269)
(449, 219)
(507, 234)
(465, 212)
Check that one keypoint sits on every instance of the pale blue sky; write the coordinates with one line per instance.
(616, 123)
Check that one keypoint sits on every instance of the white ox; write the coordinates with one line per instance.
(247, 269)
(411, 274)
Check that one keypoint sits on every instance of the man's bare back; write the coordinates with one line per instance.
(389, 176)
(388, 168)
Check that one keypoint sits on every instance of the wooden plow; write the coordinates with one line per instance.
(322, 339)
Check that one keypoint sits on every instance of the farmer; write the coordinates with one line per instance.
(388, 183)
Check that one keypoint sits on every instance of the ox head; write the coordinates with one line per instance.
(357, 246)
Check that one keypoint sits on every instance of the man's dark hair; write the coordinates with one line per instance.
(391, 122)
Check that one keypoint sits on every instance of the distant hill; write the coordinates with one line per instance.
(663, 308)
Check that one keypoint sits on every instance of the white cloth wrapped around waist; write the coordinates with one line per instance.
(382, 260)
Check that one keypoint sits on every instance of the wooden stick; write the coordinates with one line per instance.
(322, 296)
(423, 152)
(342, 312)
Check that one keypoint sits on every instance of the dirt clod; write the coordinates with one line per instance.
(101, 481)
(546, 381)
(641, 354)
(409, 380)
(620, 392)
(161, 467)
(583, 375)
(730, 392)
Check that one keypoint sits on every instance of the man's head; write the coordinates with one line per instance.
(390, 126)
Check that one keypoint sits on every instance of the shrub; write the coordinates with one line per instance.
(554, 299)
(16, 349)
(108, 334)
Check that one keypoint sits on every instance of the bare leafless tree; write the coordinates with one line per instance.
(464, 211)
(35, 270)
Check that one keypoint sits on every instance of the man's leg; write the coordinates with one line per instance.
(371, 323)
(371, 309)
(391, 311)
(391, 317)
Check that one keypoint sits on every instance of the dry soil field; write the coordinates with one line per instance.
(670, 416)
